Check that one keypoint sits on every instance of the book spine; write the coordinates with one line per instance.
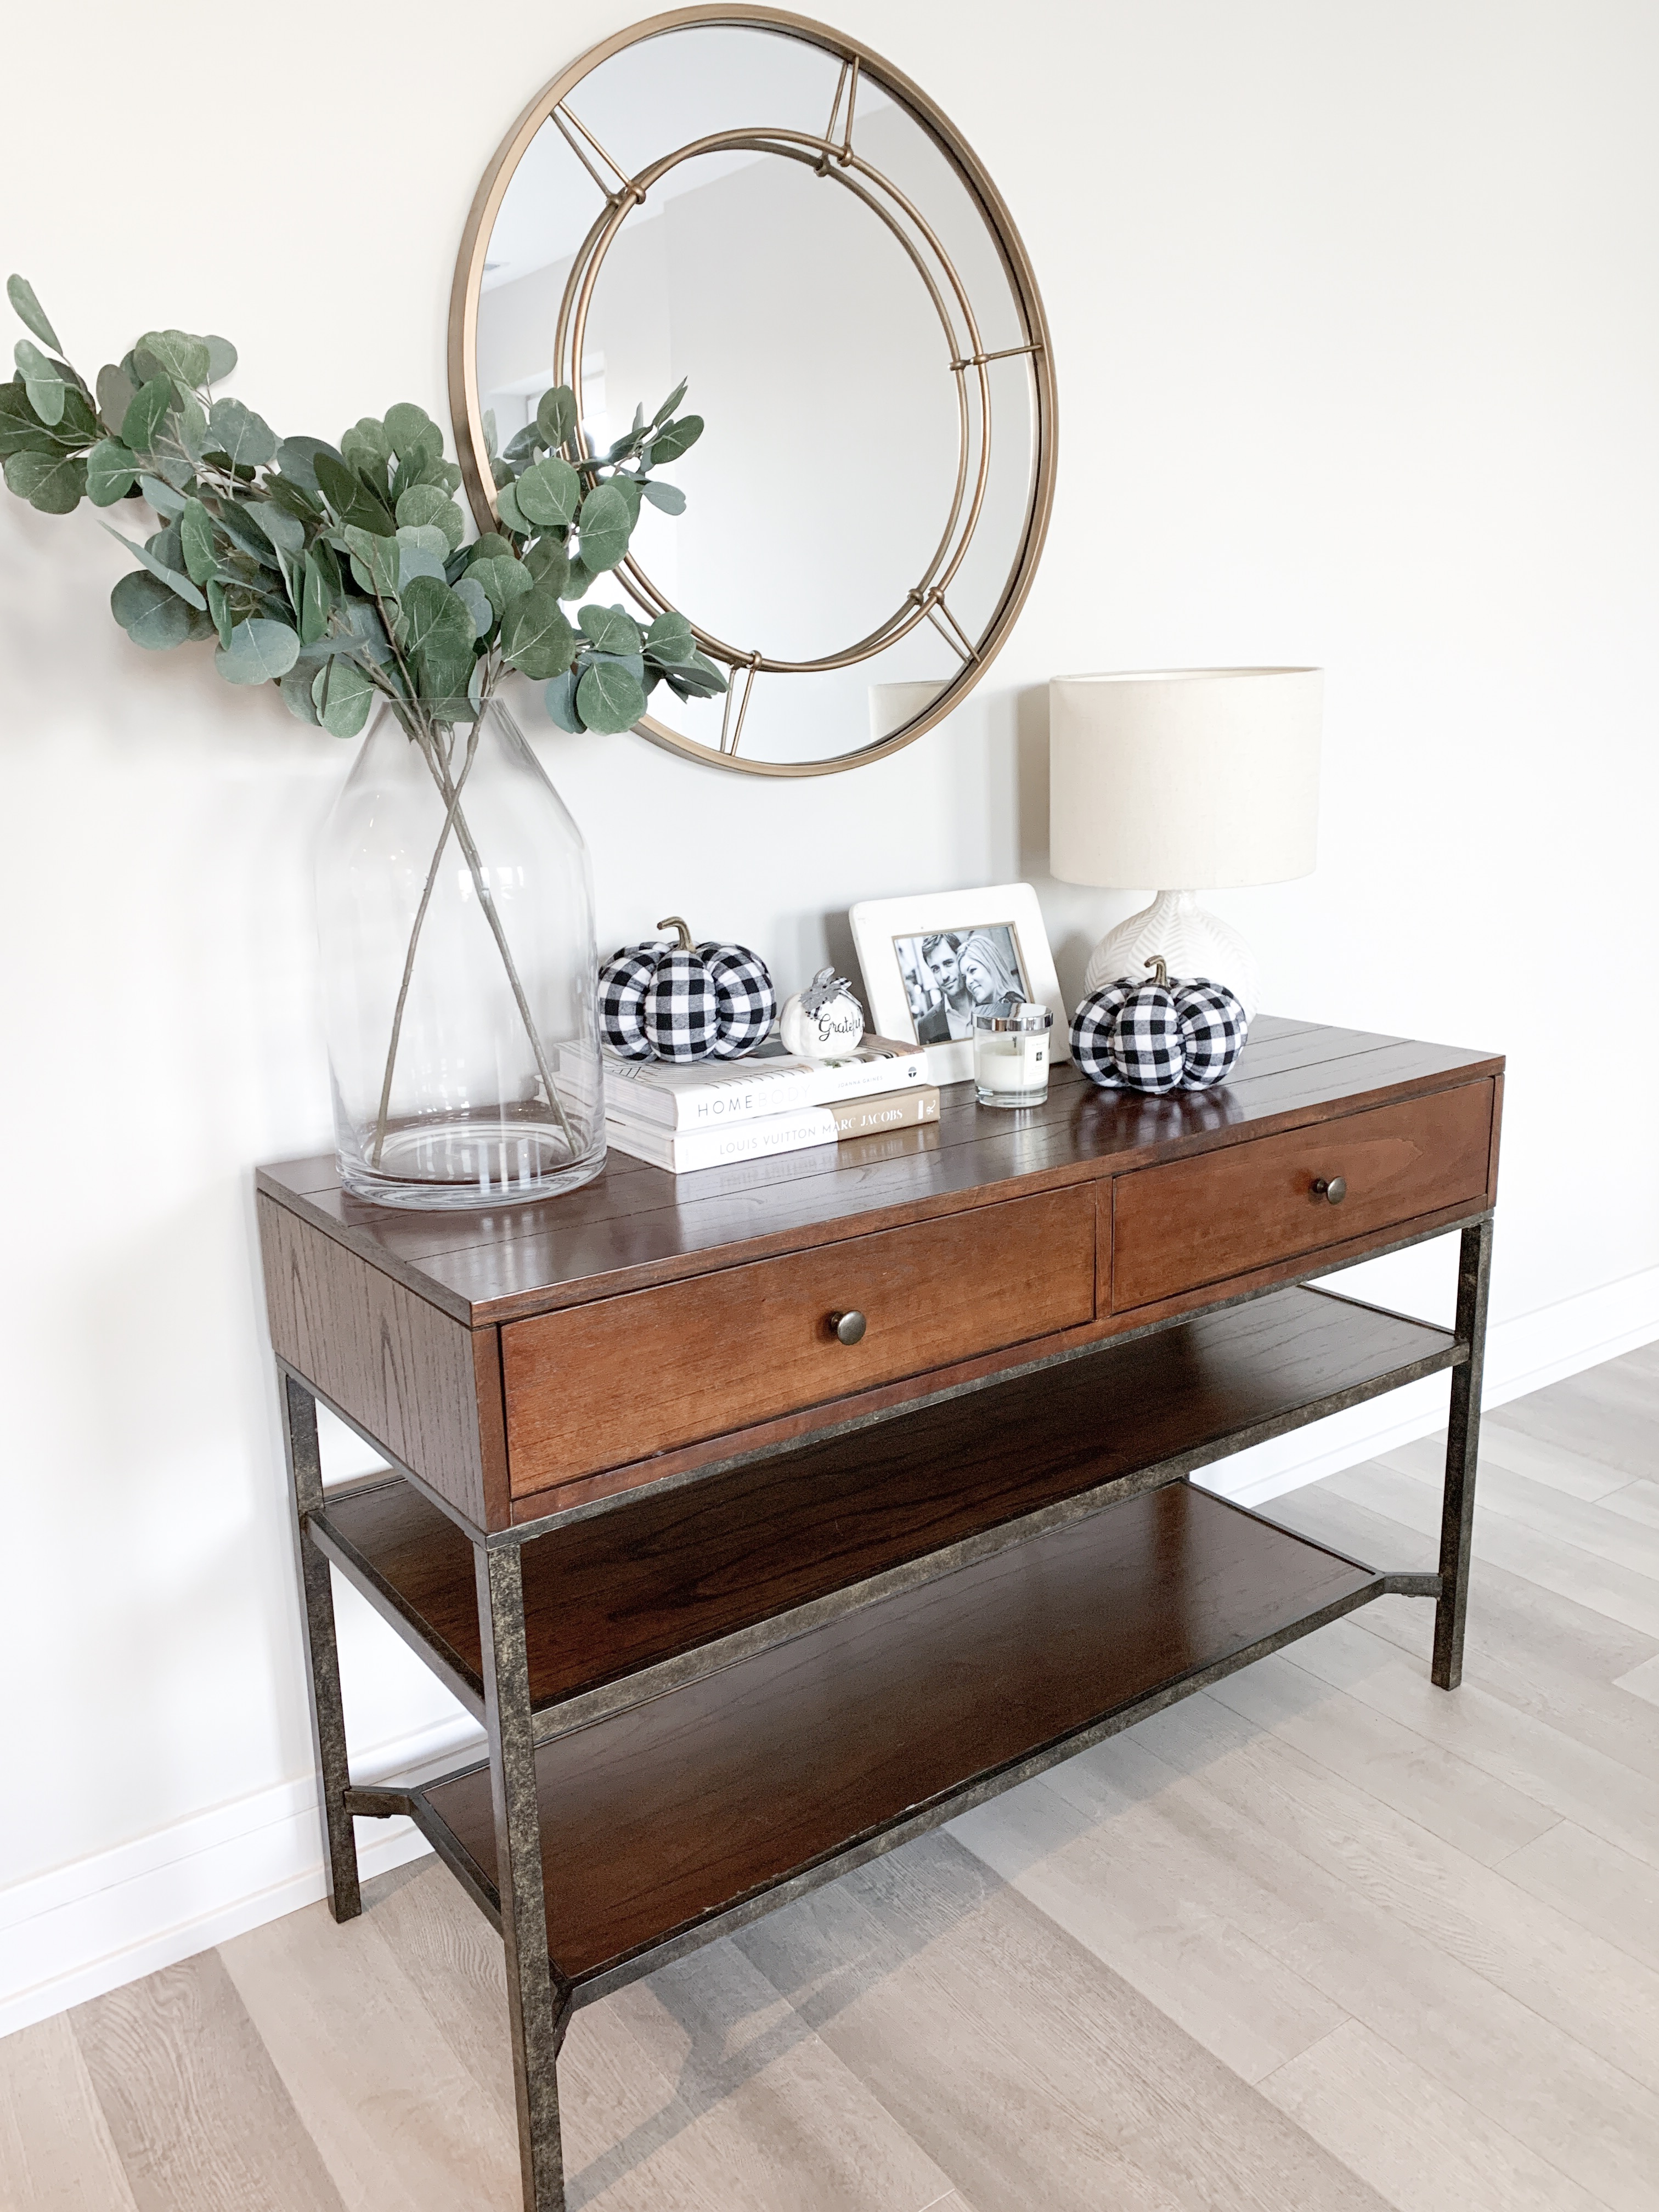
(691, 1149)
(704, 1107)
(892, 1109)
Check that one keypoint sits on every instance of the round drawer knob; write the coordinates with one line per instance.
(1332, 1189)
(848, 1327)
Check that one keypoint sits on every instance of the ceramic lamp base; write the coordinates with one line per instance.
(1191, 941)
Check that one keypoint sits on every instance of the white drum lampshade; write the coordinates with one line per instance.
(1185, 779)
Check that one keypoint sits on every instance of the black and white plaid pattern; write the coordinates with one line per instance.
(1144, 1037)
(748, 1004)
(716, 1002)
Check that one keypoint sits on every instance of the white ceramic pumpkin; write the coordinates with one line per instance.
(823, 1022)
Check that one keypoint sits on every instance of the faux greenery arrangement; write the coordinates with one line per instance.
(337, 572)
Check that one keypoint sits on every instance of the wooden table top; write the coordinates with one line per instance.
(637, 1225)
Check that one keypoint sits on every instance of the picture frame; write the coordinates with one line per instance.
(911, 952)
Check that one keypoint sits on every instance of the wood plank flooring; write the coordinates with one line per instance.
(1319, 1940)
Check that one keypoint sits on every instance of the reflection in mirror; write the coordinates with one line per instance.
(785, 223)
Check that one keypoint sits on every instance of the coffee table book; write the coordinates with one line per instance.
(682, 1152)
(767, 1082)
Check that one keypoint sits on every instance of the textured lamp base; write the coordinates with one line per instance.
(1191, 941)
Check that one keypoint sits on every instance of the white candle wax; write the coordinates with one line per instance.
(1011, 1059)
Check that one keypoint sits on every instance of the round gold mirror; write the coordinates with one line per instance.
(762, 206)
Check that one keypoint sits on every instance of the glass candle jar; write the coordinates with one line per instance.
(1010, 1054)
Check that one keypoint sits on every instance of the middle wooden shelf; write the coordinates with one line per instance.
(662, 1586)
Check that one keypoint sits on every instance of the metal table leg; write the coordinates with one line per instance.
(305, 1469)
(1463, 1441)
(534, 2016)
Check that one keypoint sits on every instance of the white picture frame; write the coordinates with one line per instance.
(905, 995)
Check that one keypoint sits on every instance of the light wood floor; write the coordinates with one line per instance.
(1322, 1939)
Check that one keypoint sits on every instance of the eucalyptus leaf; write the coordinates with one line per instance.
(115, 395)
(374, 563)
(365, 624)
(414, 561)
(609, 629)
(669, 497)
(171, 576)
(196, 542)
(20, 293)
(167, 502)
(221, 358)
(243, 437)
(295, 689)
(503, 579)
(259, 652)
(240, 524)
(44, 381)
(578, 581)
(668, 404)
(296, 457)
(427, 504)
(282, 493)
(54, 483)
(151, 613)
(610, 698)
(675, 439)
(560, 698)
(219, 607)
(405, 425)
(487, 548)
(349, 496)
(550, 564)
(476, 601)
(670, 640)
(437, 625)
(146, 414)
(191, 426)
(523, 445)
(535, 639)
(549, 494)
(112, 471)
(285, 531)
(506, 508)
(316, 602)
(173, 469)
(556, 414)
(342, 695)
(21, 430)
(177, 355)
(628, 489)
(605, 525)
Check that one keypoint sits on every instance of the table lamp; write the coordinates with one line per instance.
(1194, 777)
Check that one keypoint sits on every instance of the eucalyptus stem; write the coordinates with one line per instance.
(432, 754)
(414, 940)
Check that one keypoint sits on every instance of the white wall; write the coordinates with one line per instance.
(1358, 336)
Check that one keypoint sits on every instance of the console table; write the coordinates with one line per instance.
(768, 1516)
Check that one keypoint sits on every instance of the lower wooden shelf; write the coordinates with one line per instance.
(615, 1604)
(674, 1816)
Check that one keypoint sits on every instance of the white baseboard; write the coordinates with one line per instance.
(72, 1935)
(1527, 1353)
(89, 1927)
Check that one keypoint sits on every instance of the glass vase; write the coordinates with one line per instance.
(455, 914)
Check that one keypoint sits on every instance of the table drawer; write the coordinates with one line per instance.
(1204, 1220)
(601, 1385)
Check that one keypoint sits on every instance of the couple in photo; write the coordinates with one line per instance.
(957, 971)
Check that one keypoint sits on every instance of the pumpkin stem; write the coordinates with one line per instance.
(1161, 978)
(675, 921)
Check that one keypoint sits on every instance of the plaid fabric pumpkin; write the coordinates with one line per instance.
(682, 1001)
(1158, 1036)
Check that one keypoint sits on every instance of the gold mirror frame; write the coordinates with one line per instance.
(833, 156)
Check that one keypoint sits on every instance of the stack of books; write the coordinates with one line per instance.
(717, 1112)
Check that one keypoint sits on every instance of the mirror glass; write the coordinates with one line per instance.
(774, 215)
